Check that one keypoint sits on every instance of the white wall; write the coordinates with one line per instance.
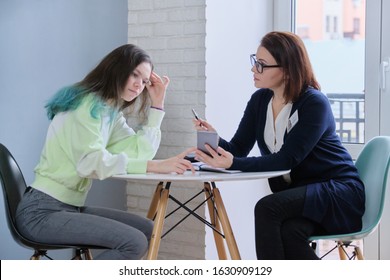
(45, 45)
(234, 30)
(173, 33)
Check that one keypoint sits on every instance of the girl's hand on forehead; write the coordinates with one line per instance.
(157, 87)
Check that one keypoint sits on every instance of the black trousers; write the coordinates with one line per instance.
(280, 229)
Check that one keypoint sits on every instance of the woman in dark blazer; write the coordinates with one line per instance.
(292, 123)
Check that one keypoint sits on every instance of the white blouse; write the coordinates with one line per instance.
(274, 130)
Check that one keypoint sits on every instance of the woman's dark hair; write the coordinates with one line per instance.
(107, 81)
(290, 53)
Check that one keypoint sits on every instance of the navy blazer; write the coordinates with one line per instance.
(314, 153)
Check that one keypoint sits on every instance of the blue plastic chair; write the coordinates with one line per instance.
(373, 165)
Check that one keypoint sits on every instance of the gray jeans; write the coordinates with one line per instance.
(42, 218)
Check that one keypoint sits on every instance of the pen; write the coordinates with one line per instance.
(197, 117)
(195, 114)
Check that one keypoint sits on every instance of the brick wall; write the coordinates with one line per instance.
(173, 33)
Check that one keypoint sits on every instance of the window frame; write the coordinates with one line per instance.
(284, 20)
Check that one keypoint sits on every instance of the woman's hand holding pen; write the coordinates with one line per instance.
(201, 124)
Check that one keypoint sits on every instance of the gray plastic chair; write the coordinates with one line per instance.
(14, 185)
(373, 165)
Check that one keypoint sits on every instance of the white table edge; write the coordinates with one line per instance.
(201, 176)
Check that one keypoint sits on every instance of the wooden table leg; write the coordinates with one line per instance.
(158, 225)
(214, 220)
(158, 209)
(155, 200)
(227, 229)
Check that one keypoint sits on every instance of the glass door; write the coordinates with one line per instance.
(334, 35)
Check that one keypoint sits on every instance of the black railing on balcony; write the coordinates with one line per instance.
(348, 110)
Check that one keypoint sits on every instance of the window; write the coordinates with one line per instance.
(335, 39)
(356, 25)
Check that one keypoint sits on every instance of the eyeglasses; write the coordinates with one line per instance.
(259, 65)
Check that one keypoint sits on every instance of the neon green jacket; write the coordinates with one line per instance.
(80, 148)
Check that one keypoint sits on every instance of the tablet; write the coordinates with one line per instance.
(207, 137)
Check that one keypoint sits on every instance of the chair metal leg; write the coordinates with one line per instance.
(38, 254)
(80, 254)
(344, 253)
(356, 254)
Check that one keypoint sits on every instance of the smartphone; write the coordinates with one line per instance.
(207, 137)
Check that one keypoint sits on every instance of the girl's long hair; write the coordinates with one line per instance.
(106, 81)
